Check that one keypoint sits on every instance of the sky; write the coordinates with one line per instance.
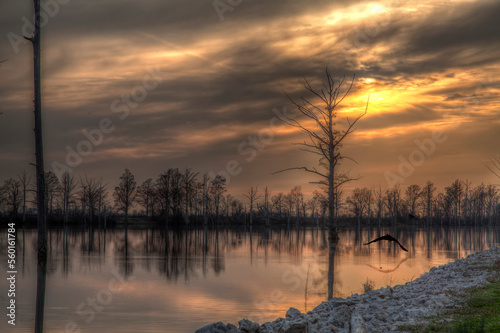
(151, 85)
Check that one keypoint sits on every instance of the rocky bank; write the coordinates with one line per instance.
(384, 309)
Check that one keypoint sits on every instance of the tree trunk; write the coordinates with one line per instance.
(40, 177)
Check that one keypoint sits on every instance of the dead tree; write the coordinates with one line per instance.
(126, 193)
(25, 181)
(40, 175)
(68, 185)
(252, 197)
(325, 138)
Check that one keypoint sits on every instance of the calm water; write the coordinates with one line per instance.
(142, 281)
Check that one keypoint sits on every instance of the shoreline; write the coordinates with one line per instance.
(384, 309)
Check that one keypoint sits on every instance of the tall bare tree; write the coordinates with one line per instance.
(40, 174)
(325, 137)
(125, 193)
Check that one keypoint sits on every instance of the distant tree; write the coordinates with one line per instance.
(491, 193)
(379, 203)
(467, 202)
(126, 193)
(25, 182)
(52, 191)
(428, 199)
(92, 192)
(252, 197)
(217, 189)
(205, 192)
(277, 203)
(413, 194)
(478, 198)
(177, 192)
(237, 207)
(68, 186)
(297, 198)
(189, 183)
(359, 201)
(164, 188)
(145, 195)
(288, 200)
(393, 202)
(325, 139)
(13, 195)
(453, 198)
(266, 211)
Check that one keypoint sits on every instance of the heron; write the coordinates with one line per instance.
(389, 238)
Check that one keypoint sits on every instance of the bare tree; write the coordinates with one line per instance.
(68, 186)
(252, 198)
(189, 183)
(164, 188)
(145, 195)
(491, 192)
(92, 191)
(325, 138)
(25, 182)
(359, 201)
(205, 187)
(13, 196)
(52, 191)
(40, 174)
(413, 194)
(217, 189)
(125, 193)
(277, 202)
(379, 203)
(393, 202)
(428, 196)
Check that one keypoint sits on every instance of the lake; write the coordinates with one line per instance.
(164, 280)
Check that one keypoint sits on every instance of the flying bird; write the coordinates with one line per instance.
(389, 238)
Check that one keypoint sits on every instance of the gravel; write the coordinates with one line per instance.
(384, 309)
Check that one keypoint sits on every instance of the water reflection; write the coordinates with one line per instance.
(181, 279)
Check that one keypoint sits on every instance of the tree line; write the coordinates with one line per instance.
(185, 195)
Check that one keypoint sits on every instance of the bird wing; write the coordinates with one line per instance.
(376, 240)
(389, 238)
(401, 245)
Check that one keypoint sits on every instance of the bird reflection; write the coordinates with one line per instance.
(388, 270)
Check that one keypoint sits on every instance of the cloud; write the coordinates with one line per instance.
(418, 61)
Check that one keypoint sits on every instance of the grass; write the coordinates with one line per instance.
(368, 285)
(479, 312)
